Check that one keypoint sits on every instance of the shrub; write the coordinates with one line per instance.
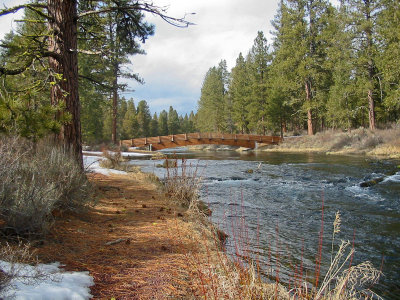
(114, 160)
(182, 183)
(34, 181)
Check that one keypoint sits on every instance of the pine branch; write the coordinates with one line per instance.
(16, 71)
(105, 86)
(33, 7)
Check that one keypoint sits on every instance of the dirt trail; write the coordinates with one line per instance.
(149, 262)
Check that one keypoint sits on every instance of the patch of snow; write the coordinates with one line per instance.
(91, 164)
(51, 283)
(124, 154)
(92, 153)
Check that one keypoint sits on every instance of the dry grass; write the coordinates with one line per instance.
(182, 183)
(379, 142)
(36, 180)
(114, 160)
(17, 256)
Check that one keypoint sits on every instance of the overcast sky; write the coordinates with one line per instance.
(177, 59)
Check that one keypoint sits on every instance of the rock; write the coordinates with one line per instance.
(250, 171)
(371, 182)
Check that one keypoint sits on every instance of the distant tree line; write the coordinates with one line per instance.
(133, 122)
(327, 66)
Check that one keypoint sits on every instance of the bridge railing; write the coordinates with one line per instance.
(200, 137)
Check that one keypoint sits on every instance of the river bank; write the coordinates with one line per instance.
(383, 144)
(137, 243)
(134, 242)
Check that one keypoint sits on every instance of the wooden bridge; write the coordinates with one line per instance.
(187, 139)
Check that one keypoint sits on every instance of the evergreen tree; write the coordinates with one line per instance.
(173, 121)
(154, 125)
(239, 90)
(343, 107)
(130, 125)
(299, 48)
(259, 60)
(388, 24)
(192, 121)
(212, 103)
(143, 118)
(163, 123)
(363, 21)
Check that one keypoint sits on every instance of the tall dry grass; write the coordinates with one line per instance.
(182, 183)
(218, 275)
(378, 142)
(35, 180)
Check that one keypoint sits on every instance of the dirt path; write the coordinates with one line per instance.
(148, 258)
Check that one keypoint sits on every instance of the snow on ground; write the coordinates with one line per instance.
(45, 282)
(124, 154)
(91, 164)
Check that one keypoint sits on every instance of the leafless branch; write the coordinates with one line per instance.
(150, 8)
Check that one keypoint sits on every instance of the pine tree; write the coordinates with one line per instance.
(143, 118)
(212, 104)
(173, 121)
(239, 90)
(130, 125)
(154, 125)
(388, 24)
(163, 123)
(258, 61)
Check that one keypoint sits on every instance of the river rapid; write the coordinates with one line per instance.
(273, 202)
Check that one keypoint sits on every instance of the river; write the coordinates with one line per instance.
(276, 208)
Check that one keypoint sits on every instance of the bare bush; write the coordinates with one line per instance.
(34, 181)
(114, 160)
(182, 183)
(11, 260)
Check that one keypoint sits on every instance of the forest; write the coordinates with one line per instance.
(326, 67)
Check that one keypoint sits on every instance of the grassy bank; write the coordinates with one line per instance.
(380, 143)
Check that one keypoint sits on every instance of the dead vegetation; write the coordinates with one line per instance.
(114, 160)
(359, 141)
(35, 181)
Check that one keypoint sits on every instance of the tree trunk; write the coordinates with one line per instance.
(63, 42)
(310, 128)
(371, 110)
(371, 69)
(115, 107)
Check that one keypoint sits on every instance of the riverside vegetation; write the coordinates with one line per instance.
(379, 143)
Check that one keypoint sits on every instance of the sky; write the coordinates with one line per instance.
(177, 59)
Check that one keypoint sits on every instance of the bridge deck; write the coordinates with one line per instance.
(200, 138)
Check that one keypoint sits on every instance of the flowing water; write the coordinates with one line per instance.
(277, 209)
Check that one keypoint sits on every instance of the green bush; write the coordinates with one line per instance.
(34, 181)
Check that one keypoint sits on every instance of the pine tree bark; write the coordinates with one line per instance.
(310, 128)
(371, 110)
(371, 69)
(63, 42)
(115, 107)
